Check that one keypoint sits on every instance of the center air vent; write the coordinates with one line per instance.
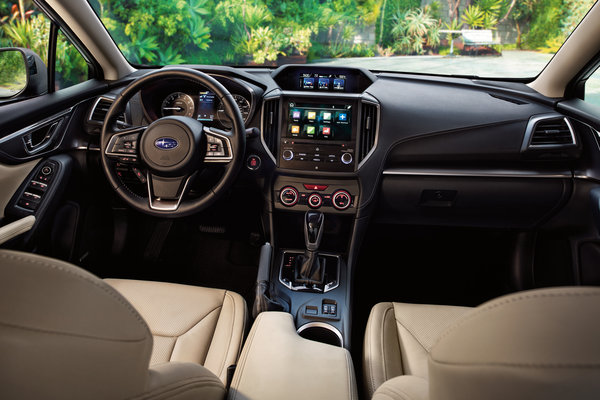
(555, 131)
(100, 110)
(368, 130)
(270, 125)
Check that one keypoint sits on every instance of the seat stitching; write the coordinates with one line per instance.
(50, 332)
(524, 365)
(414, 335)
(396, 391)
(179, 385)
(510, 300)
(192, 327)
(371, 363)
(230, 333)
(112, 293)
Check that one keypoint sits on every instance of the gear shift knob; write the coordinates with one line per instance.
(313, 229)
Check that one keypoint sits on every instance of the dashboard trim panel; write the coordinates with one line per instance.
(483, 173)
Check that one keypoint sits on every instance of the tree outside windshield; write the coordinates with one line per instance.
(504, 38)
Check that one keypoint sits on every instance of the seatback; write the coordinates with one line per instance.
(65, 334)
(540, 344)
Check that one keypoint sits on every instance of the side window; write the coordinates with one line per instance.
(71, 67)
(22, 24)
(592, 89)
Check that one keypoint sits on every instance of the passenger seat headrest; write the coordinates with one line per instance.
(539, 344)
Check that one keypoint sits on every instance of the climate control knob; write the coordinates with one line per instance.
(315, 200)
(346, 158)
(288, 196)
(341, 200)
(287, 155)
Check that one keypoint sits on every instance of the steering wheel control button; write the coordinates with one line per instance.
(288, 155)
(346, 158)
(253, 162)
(288, 196)
(319, 188)
(214, 147)
(341, 200)
(315, 200)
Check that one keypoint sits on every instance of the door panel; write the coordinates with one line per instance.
(11, 178)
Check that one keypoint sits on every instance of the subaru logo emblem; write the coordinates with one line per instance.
(165, 143)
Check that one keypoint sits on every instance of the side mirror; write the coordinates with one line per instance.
(22, 73)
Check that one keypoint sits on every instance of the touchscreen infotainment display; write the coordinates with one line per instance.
(322, 82)
(320, 121)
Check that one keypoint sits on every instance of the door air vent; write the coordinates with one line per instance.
(100, 110)
(270, 125)
(552, 132)
(368, 130)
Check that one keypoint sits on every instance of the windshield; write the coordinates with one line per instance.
(485, 38)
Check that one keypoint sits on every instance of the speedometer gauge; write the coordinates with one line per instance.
(242, 103)
(178, 103)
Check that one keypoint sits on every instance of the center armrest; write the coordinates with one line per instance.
(276, 363)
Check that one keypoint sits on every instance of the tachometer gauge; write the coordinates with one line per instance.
(242, 103)
(178, 103)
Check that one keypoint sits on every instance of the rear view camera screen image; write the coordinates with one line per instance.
(320, 121)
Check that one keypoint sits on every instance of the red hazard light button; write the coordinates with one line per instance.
(315, 187)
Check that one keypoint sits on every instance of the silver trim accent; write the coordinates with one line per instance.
(323, 325)
(112, 100)
(262, 128)
(165, 205)
(477, 173)
(530, 129)
(327, 287)
(218, 159)
(376, 142)
(36, 125)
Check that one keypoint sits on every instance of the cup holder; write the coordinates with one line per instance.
(321, 332)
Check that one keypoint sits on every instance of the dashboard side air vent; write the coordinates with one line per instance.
(270, 125)
(550, 132)
(368, 130)
(100, 109)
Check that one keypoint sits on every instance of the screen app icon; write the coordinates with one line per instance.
(326, 116)
(326, 131)
(296, 129)
(308, 83)
(342, 117)
(312, 115)
(310, 130)
(323, 83)
(338, 84)
(296, 114)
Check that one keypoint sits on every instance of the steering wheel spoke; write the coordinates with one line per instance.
(124, 143)
(218, 146)
(166, 193)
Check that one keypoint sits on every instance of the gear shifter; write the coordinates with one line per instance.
(310, 270)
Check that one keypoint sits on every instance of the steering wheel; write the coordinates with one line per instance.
(172, 149)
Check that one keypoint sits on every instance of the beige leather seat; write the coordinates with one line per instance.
(65, 334)
(540, 344)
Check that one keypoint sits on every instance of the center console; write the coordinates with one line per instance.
(277, 362)
(317, 128)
